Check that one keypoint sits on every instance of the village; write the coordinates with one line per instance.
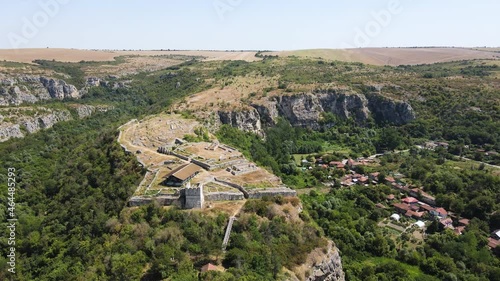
(188, 167)
(412, 209)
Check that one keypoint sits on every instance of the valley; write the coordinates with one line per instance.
(307, 159)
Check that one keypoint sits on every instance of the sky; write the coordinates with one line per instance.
(247, 24)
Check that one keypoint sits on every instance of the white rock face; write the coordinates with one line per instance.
(246, 120)
(306, 110)
(30, 89)
(329, 269)
(45, 121)
(8, 131)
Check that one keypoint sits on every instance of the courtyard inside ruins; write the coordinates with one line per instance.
(159, 143)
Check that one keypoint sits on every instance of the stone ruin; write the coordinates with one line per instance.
(193, 197)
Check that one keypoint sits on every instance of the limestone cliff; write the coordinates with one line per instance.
(44, 121)
(386, 110)
(321, 265)
(30, 89)
(9, 130)
(306, 110)
(59, 89)
(246, 120)
(84, 110)
(328, 269)
(16, 122)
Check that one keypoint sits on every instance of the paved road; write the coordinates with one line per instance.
(458, 157)
(486, 164)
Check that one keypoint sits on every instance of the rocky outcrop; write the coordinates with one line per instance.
(329, 268)
(300, 110)
(246, 120)
(345, 104)
(21, 120)
(385, 110)
(84, 110)
(307, 109)
(58, 89)
(29, 120)
(31, 89)
(268, 112)
(45, 121)
(8, 131)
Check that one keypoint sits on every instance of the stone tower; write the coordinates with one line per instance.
(193, 197)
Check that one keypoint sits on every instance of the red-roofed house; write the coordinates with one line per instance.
(402, 208)
(439, 212)
(363, 179)
(390, 180)
(427, 198)
(463, 222)
(210, 267)
(413, 214)
(493, 243)
(415, 207)
(336, 164)
(410, 200)
(426, 208)
(414, 192)
(390, 197)
(446, 223)
(459, 230)
(374, 176)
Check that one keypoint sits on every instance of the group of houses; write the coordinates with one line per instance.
(343, 165)
(411, 207)
(418, 204)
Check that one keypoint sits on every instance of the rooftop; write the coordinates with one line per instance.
(210, 267)
(184, 172)
(401, 206)
(441, 211)
(410, 200)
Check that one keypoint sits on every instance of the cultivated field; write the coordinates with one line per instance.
(395, 56)
(75, 55)
(375, 56)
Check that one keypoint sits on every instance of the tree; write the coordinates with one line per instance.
(389, 139)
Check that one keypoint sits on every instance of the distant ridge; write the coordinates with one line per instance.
(396, 56)
(374, 56)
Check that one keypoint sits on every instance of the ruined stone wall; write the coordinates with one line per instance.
(193, 197)
(259, 194)
(224, 196)
(162, 200)
(240, 188)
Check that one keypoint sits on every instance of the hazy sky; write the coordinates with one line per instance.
(247, 24)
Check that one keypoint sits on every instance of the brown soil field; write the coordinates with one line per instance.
(66, 55)
(76, 55)
(375, 56)
(394, 56)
